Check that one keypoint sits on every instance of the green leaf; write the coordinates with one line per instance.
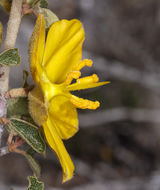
(49, 16)
(29, 133)
(10, 57)
(34, 184)
(6, 4)
(1, 32)
(17, 107)
(33, 165)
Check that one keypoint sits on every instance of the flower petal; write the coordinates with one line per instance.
(64, 116)
(77, 86)
(63, 49)
(36, 46)
(57, 145)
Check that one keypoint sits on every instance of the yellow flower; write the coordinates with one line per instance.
(54, 63)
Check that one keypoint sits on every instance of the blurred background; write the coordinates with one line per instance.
(118, 145)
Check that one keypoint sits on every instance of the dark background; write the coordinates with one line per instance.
(117, 146)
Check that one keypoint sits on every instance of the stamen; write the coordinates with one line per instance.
(89, 79)
(75, 74)
(83, 63)
(72, 75)
(83, 103)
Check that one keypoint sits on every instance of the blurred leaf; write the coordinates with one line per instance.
(33, 165)
(6, 4)
(25, 76)
(10, 57)
(43, 4)
(1, 32)
(34, 184)
(32, 2)
(17, 107)
(29, 133)
(50, 17)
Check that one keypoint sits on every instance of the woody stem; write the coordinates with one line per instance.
(11, 36)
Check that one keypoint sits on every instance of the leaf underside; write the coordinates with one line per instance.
(34, 184)
(10, 57)
(29, 133)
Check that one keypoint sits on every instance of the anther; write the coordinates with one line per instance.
(89, 79)
(72, 75)
(83, 103)
(83, 63)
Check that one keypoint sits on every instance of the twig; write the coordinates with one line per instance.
(3, 111)
(10, 137)
(1, 133)
(4, 150)
(11, 36)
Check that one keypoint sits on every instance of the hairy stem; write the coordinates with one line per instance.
(11, 36)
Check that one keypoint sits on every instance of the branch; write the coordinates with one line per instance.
(11, 36)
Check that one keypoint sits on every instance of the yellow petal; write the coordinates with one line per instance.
(82, 86)
(63, 49)
(57, 145)
(36, 47)
(64, 115)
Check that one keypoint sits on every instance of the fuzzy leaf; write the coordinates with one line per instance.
(29, 133)
(33, 165)
(17, 107)
(34, 184)
(10, 57)
(1, 32)
(49, 16)
(6, 4)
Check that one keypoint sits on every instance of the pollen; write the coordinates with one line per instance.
(84, 103)
(72, 75)
(89, 79)
(83, 63)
